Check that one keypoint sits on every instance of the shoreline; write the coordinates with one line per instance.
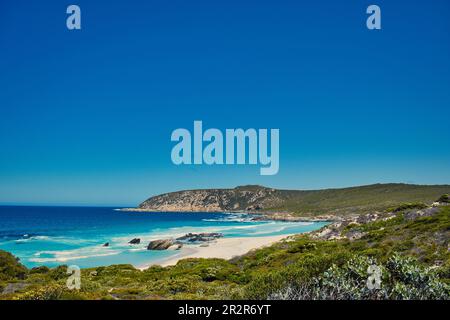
(222, 248)
(258, 215)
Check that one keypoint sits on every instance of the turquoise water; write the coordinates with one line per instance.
(75, 235)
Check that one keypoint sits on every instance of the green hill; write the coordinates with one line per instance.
(361, 199)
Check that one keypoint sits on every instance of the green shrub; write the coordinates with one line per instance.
(49, 292)
(444, 198)
(10, 267)
(40, 269)
(408, 206)
(409, 280)
(400, 278)
(58, 273)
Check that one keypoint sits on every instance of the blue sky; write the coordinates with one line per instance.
(86, 116)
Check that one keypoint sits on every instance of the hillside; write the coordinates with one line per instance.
(343, 201)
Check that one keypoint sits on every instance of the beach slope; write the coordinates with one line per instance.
(223, 248)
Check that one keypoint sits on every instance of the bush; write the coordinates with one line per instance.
(401, 278)
(411, 281)
(444, 198)
(58, 273)
(408, 206)
(296, 274)
(40, 269)
(49, 292)
(10, 267)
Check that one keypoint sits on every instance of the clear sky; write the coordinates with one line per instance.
(86, 116)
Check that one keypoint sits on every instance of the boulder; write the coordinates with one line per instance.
(176, 246)
(135, 241)
(366, 218)
(355, 235)
(200, 237)
(254, 207)
(162, 244)
(414, 214)
(13, 287)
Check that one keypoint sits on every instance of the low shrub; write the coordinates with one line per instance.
(10, 267)
(408, 206)
(400, 278)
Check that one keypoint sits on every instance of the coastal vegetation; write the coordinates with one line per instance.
(304, 203)
(409, 245)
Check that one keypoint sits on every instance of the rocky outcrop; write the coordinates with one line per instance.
(200, 237)
(352, 227)
(190, 238)
(414, 214)
(135, 241)
(163, 244)
(13, 287)
(247, 198)
(355, 235)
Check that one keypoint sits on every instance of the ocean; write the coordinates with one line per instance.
(53, 236)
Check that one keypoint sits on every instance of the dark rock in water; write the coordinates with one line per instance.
(163, 244)
(179, 246)
(200, 237)
(106, 244)
(135, 241)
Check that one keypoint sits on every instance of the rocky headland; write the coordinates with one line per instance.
(294, 205)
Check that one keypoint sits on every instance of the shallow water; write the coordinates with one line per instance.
(75, 235)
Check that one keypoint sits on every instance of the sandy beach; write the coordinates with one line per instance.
(224, 248)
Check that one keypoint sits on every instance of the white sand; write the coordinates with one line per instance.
(224, 248)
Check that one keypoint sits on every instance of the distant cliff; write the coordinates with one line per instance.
(245, 198)
(306, 202)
